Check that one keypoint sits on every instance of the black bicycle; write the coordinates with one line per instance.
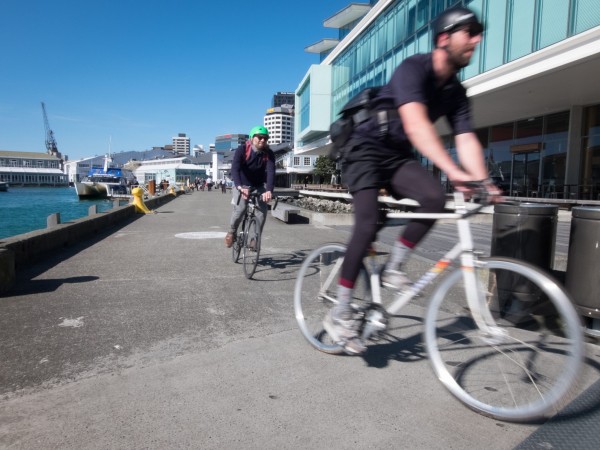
(247, 241)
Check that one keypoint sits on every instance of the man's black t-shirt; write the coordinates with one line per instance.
(372, 160)
(414, 81)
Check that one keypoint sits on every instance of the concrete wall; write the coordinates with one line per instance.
(18, 251)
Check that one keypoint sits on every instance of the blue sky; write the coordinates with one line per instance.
(137, 72)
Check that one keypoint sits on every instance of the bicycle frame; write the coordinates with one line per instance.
(463, 250)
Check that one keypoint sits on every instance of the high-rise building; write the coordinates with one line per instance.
(228, 142)
(536, 110)
(282, 98)
(280, 123)
(181, 144)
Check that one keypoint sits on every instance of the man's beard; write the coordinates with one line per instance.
(458, 60)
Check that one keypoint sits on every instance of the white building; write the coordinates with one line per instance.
(31, 169)
(280, 123)
(181, 144)
(536, 109)
(174, 170)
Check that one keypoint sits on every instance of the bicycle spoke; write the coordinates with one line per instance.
(520, 367)
(315, 294)
(251, 250)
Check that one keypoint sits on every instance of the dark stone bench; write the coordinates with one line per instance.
(283, 211)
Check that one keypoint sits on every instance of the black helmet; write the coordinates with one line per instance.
(453, 18)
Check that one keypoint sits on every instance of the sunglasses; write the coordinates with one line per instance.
(261, 137)
(473, 30)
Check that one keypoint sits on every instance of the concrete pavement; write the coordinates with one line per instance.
(151, 337)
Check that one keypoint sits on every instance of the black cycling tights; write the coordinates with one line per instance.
(410, 180)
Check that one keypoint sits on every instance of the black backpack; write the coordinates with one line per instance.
(359, 109)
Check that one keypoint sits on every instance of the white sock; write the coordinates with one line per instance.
(398, 255)
(343, 310)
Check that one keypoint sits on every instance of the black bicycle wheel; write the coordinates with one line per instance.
(238, 242)
(251, 248)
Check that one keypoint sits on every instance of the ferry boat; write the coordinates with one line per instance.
(3, 186)
(104, 182)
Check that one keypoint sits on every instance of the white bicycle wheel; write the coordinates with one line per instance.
(315, 294)
(521, 360)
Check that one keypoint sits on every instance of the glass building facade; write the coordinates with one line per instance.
(229, 142)
(514, 28)
(550, 151)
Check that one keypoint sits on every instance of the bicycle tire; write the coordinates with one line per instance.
(525, 373)
(236, 248)
(251, 249)
(315, 290)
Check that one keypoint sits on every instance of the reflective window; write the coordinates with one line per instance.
(495, 33)
(590, 154)
(586, 15)
(521, 28)
(554, 159)
(475, 67)
(498, 152)
(528, 128)
(305, 107)
(554, 22)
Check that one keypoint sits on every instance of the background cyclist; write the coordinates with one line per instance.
(253, 167)
(423, 88)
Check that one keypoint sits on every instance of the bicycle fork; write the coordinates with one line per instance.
(475, 291)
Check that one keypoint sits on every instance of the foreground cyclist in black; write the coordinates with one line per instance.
(422, 89)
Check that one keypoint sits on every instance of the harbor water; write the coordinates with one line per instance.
(25, 209)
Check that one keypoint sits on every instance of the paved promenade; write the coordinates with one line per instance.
(150, 337)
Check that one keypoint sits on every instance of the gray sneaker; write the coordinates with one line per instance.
(355, 346)
(395, 279)
(344, 332)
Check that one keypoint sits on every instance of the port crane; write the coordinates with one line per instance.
(51, 146)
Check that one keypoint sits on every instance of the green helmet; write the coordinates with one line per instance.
(258, 130)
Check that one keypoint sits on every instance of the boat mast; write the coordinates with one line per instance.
(107, 158)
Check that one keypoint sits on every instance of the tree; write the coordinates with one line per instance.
(324, 168)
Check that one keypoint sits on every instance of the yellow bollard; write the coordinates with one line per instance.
(140, 207)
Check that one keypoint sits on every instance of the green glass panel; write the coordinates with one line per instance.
(587, 15)
(553, 18)
(522, 20)
(494, 38)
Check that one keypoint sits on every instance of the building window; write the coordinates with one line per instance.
(296, 160)
(590, 154)
(307, 161)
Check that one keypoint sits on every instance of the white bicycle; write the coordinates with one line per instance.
(501, 335)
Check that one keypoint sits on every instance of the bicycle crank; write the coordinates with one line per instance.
(375, 322)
